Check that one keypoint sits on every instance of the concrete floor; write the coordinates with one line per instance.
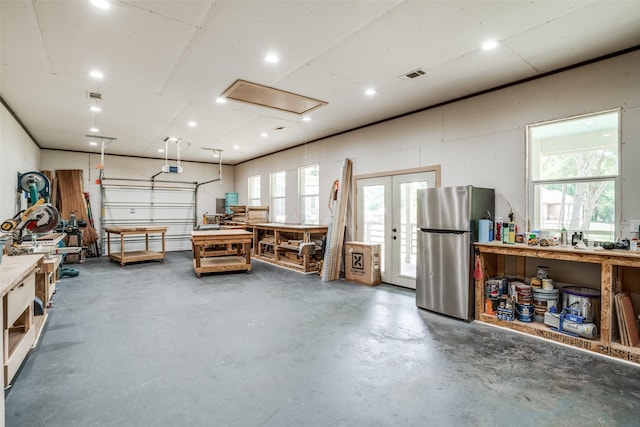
(151, 345)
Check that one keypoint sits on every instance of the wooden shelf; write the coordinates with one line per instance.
(612, 265)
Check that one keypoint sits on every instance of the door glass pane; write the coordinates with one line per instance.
(374, 216)
(408, 227)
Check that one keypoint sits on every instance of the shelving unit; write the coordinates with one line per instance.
(618, 270)
(18, 284)
(280, 244)
(134, 256)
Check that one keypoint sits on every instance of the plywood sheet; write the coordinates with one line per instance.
(71, 199)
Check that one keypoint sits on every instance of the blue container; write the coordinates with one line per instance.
(525, 312)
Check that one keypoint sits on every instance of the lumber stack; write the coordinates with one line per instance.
(71, 199)
(626, 320)
(257, 214)
(337, 223)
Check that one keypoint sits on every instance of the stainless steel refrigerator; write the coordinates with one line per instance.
(447, 227)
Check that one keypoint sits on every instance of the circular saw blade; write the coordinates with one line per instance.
(35, 177)
(46, 220)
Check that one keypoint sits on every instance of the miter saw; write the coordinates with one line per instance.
(39, 217)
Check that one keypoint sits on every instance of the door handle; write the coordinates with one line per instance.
(394, 229)
(394, 237)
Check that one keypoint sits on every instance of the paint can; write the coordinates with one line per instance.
(492, 285)
(543, 300)
(524, 293)
(524, 312)
(543, 272)
(547, 284)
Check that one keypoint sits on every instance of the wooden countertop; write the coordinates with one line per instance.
(614, 256)
(14, 268)
(136, 229)
(292, 227)
(215, 233)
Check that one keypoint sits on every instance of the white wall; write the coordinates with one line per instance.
(478, 141)
(18, 153)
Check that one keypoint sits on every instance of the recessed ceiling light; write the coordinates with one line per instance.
(489, 44)
(192, 124)
(160, 150)
(96, 74)
(264, 134)
(93, 143)
(221, 100)
(370, 92)
(306, 119)
(272, 58)
(94, 129)
(101, 4)
(236, 147)
(95, 108)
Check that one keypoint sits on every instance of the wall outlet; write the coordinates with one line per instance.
(634, 224)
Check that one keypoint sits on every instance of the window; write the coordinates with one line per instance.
(278, 207)
(573, 174)
(254, 190)
(309, 190)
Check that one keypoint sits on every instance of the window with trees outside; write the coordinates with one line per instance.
(309, 193)
(254, 190)
(278, 206)
(573, 175)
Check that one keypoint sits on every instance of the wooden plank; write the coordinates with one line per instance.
(630, 321)
(71, 199)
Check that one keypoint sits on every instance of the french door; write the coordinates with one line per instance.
(386, 213)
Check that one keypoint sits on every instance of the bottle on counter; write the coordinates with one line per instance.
(574, 239)
(563, 236)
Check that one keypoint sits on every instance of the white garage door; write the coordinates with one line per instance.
(162, 204)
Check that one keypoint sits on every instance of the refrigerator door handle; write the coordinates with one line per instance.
(436, 231)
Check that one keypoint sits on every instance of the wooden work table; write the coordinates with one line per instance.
(280, 244)
(612, 271)
(17, 290)
(125, 257)
(221, 250)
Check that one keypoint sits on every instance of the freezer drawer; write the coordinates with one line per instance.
(443, 282)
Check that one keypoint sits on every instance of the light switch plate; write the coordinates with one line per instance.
(634, 224)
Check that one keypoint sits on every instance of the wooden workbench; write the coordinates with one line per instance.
(279, 244)
(613, 271)
(17, 290)
(221, 250)
(134, 256)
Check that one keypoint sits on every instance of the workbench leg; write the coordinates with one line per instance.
(121, 250)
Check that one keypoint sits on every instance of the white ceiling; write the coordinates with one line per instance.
(165, 63)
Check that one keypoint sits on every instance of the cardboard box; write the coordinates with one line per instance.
(362, 262)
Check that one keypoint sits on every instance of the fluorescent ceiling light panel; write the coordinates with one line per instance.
(265, 96)
(192, 124)
(95, 108)
(96, 74)
(370, 92)
(221, 100)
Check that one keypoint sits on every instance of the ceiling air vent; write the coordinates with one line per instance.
(413, 74)
(94, 95)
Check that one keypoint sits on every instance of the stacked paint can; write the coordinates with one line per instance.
(544, 294)
(493, 289)
(524, 302)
